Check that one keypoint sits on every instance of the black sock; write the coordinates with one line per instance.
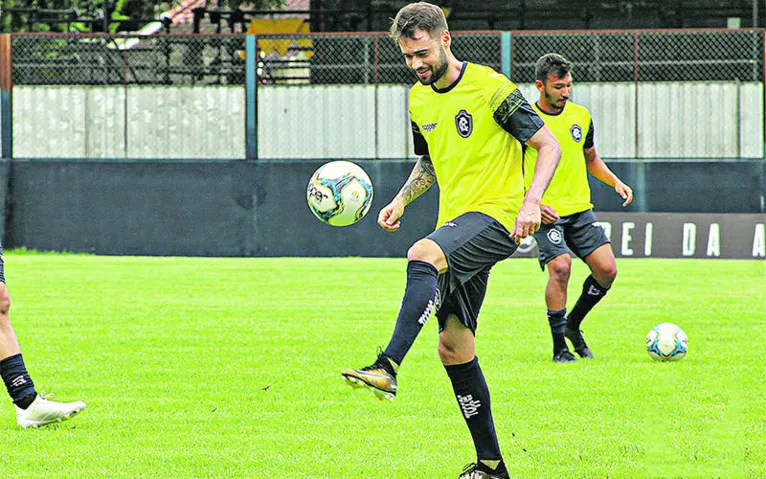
(17, 381)
(558, 322)
(499, 470)
(592, 292)
(473, 398)
(417, 305)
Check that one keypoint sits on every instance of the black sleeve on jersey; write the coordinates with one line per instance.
(589, 137)
(524, 149)
(516, 116)
(421, 146)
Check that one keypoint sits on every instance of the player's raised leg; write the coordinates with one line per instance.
(603, 272)
(32, 409)
(426, 260)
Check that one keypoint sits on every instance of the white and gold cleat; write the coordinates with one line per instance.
(43, 411)
(380, 378)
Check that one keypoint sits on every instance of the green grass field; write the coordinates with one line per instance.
(200, 367)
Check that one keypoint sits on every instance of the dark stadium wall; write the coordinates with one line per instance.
(693, 186)
(212, 208)
(132, 208)
(286, 227)
(258, 208)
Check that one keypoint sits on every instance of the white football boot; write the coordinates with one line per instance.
(42, 411)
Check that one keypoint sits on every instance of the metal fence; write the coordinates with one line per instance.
(639, 85)
(646, 56)
(609, 56)
(116, 60)
(355, 59)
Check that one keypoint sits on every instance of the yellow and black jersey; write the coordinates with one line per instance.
(465, 128)
(569, 192)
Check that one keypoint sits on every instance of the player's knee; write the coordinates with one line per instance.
(455, 349)
(608, 275)
(560, 271)
(422, 251)
(448, 352)
(5, 299)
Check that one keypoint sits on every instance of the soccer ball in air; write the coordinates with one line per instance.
(666, 342)
(339, 193)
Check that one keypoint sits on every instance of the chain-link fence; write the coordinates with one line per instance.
(700, 56)
(354, 59)
(645, 56)
(642, 56)
(607, 57)
(114, 60)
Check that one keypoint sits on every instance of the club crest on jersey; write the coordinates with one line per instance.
(576, 133)
(464, 123)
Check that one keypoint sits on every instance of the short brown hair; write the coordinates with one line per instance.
(552, 63)
(418, 16)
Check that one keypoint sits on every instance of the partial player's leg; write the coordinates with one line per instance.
(462, 290)
(15, 376)
(457, 353)
(559, 270)
(591, 244)
(603, 265)
(555, 254)
(31, 408)
(426, 261)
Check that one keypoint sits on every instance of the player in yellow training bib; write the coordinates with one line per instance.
(569, 227)
(468, 125)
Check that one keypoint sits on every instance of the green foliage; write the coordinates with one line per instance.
(230, 368)
(6, 24)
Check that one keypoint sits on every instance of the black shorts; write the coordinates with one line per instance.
(576, 235)
(472, 243)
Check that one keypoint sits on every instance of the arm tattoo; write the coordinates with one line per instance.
(423, 176)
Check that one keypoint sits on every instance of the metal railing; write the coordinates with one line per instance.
(599, 56)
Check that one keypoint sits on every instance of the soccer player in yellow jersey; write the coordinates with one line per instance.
(568, 227)
(468, 124)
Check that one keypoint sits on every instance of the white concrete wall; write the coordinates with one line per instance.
(676, 120)
(90, 122)
(186, 122)
(333, 122)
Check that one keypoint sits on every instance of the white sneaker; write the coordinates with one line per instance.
(42, 411)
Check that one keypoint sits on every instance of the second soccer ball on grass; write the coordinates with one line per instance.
(667, 342)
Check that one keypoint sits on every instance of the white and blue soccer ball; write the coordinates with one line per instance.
(667, 342)
(339, 193)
